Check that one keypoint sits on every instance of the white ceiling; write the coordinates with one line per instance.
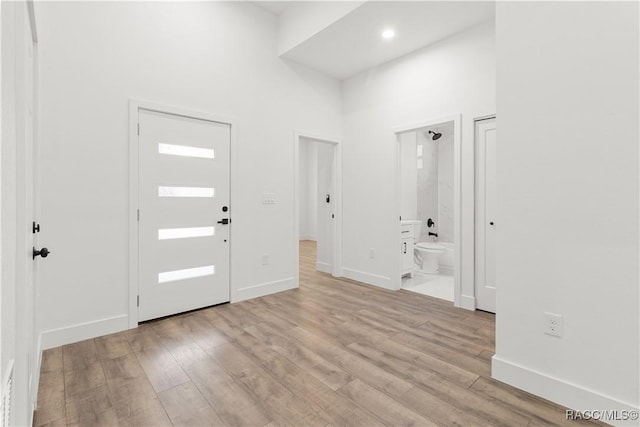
(354, 43)
(275, 7)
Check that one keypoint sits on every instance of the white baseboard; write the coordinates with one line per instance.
(557, 390)
(263, 289)
(371, 279)
(467, 302)
(323, 267)
(84, 331)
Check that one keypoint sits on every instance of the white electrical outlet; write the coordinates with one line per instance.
(553, 324)
(372, 253)
(265, 259)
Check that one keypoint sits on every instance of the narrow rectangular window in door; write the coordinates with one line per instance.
(183, 192)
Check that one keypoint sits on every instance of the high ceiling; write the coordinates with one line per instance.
(353, 43)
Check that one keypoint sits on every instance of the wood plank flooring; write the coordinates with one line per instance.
(333, 352)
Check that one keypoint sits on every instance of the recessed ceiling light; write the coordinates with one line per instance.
(388, 34)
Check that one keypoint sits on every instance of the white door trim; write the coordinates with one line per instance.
(134, 106)
(457, 199)
(337, 229)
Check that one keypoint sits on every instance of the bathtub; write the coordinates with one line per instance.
(446, 260)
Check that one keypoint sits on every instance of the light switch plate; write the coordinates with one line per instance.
(268, 199)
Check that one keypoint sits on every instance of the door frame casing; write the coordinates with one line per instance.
(457, 195)
(135, 105)
(336, 256)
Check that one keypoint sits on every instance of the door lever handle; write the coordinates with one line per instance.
(224, 221)
(44, 252)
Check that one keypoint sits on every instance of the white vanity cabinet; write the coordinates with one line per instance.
(407, 240)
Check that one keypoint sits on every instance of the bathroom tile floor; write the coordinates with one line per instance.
(433, 285)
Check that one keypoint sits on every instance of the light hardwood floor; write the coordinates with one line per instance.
(333, 352)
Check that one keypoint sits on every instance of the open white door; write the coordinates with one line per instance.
(28, 260)
(19, 344)
(184, 218)
(326, 203)
(485, 267)
(319, 169)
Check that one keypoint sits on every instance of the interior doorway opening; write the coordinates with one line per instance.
(318, 221)
(427, 210)
(428, 188)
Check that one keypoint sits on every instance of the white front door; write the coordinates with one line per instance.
(184, 219)
(485, 267)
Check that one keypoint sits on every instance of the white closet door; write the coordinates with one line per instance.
(486, 188)
(184, 202)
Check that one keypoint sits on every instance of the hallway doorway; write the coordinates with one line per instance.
(318, 204)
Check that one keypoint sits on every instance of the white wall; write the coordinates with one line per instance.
(217, 57)
(308, 189)
(567, 230)
(456, 75)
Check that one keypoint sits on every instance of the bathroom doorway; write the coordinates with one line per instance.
(317, 204)
(429, 208)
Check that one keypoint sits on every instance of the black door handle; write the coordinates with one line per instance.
(44, 252)
(224, 221)
(491, 223)
(405, 247)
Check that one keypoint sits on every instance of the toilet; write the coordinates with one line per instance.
(429, 253)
